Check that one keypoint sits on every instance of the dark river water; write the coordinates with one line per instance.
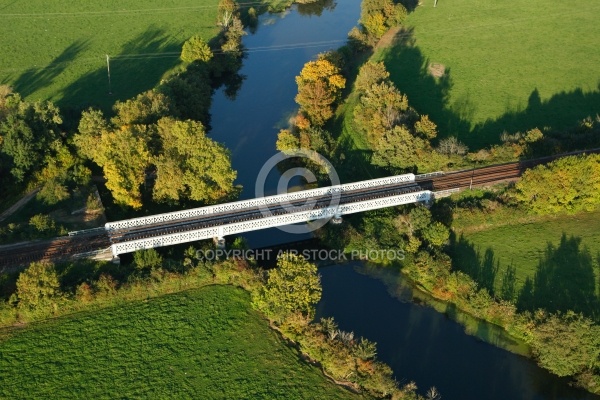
(419, 343)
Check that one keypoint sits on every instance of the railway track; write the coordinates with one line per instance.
(67, 247)
(56, 249)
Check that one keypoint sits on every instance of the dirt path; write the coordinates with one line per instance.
(15, 207)
(388, 38)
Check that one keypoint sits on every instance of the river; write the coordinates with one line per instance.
(419, 343)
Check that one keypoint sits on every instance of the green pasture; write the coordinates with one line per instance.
(57, 49)
(509, 65)
(571, 272)
(202, 344)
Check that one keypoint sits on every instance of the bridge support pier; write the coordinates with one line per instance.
(220, 238)
(337, 218)
(219, 242)
(116, 260)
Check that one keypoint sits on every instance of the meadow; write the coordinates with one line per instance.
(571, 268)
(508, 65)
(57, 50)
(205, 343)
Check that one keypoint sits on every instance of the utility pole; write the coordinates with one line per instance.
(108, 70)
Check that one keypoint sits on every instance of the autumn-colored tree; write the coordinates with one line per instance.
(377, 16)
(319, 87)
(370, 73)
(379, 110)
(287, 141)
(426, 128)
(568, 184)
(123, 155)
(62, 169)
(146, 108)
(196, 49)
(37, 286)
(190, 164)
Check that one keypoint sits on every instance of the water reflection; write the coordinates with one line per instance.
(428, 347)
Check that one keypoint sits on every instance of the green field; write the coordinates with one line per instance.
(203, 344)
(57, 50)
(487, 253)
(509, 65)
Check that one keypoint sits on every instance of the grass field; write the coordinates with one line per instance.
(523, 246)
(509, 65)
(57, 50)
(204, 344)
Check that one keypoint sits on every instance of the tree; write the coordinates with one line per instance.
(37, 286)
(566, 344)
(397, 149)
(380, 109)
(227, 9)
(426, 128)
(568, 184)
(124, 156)
(377, 16)
(42, 223)
(436, 234)
(145, 108)
(287, 141)
(319, 87)
(365, 349)
(371, 73)
(196, 49)
(190, 93)
(62, 170)
(147, 260)
(26, 129)
(190, 164)
(292, 287)
(451, 146)
(419, 219)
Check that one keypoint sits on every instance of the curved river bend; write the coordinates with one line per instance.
(419, 343)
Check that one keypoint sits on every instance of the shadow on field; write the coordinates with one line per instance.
(427, 94)
(138, 67)
(563, 110)
(468, 259)
(35, 79)
(410, 71)
(564, 280)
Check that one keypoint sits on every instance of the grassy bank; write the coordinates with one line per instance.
(204, 343)
(58, 49)
(508, 65)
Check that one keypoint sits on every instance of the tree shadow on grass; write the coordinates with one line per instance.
(429, 95)
(138, 67)
(482, 268)
(561, 111)
(35, 79)
(564, 281)
(409, 69)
